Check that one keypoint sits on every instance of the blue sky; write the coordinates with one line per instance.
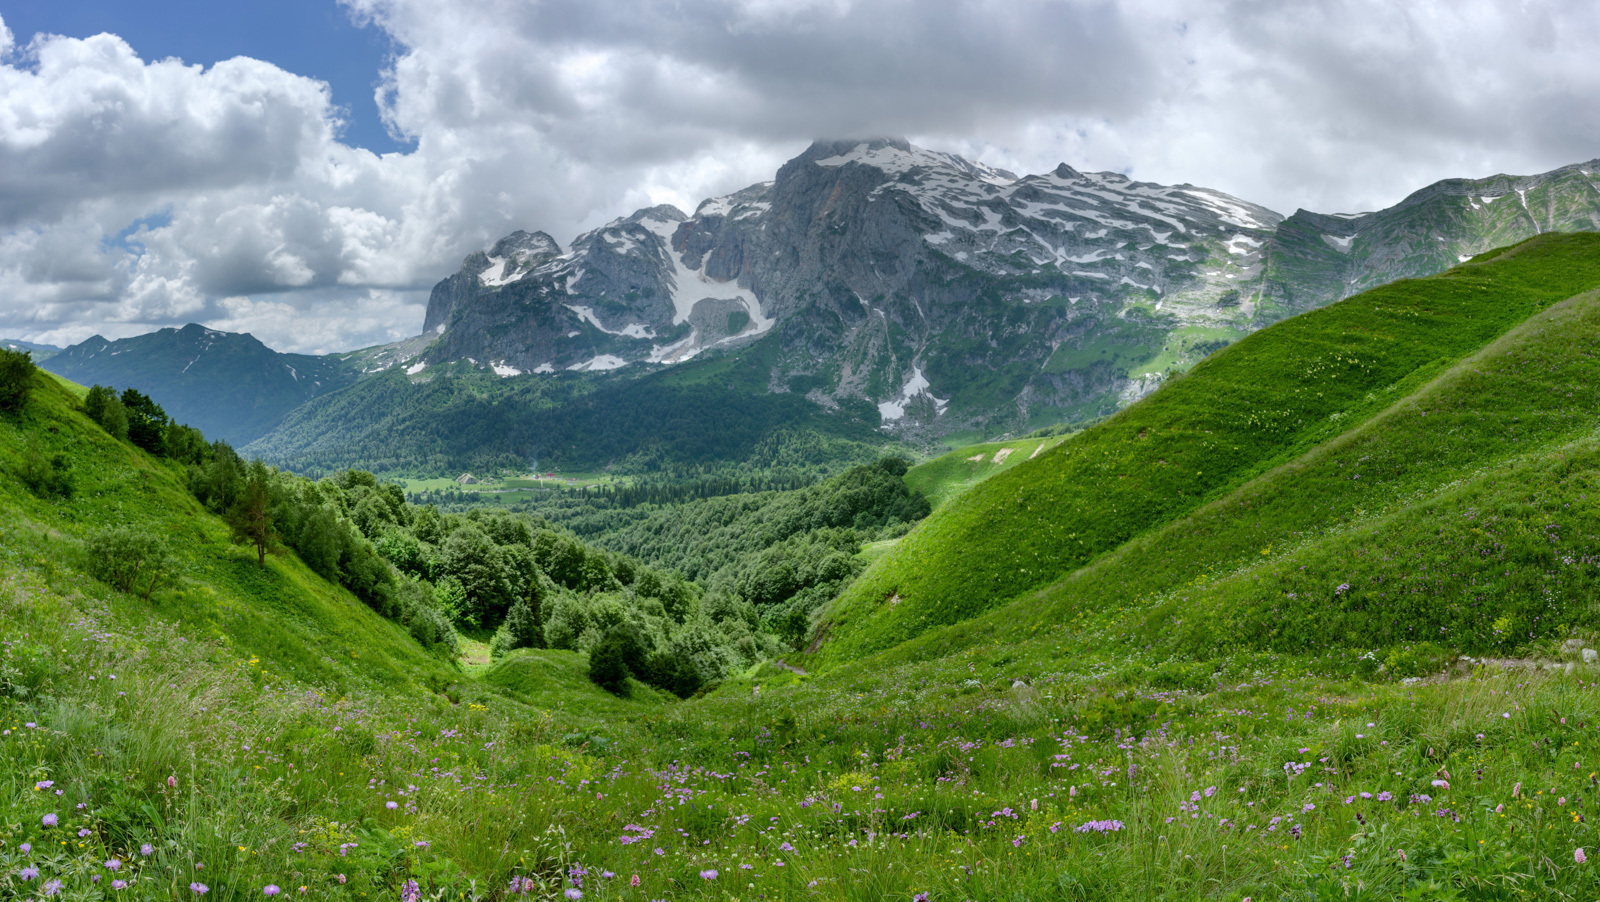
(316, 38)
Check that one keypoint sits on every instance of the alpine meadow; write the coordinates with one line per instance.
(826, 452)
(1314, 618)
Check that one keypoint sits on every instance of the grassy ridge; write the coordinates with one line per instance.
(1243, 411)
(1459, 516)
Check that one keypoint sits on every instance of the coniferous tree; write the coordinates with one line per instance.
(523, 626)
(252, 513)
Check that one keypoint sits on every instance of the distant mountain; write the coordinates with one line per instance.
(40, 353)
(227, 384)
(875, 280)
(947, 293)
(1316, 258)
(954, 296)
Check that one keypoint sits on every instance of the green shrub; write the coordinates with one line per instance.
(608, 664)
(1421, 659)
(130, 559)
(16, 378)
(46, 474)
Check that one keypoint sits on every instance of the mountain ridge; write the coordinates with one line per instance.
(949, 296)
(926, 283)
(228, 384)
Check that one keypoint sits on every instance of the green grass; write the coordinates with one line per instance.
(296, 624)
(947, 476)
(1254, 406)
(960, 764)
(552, 679)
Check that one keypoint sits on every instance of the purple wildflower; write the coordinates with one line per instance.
(410, 891)
(199, 889)
(271, 889)
(1099, 827)
(52, 888)
(50, 820)
(28, 873)
(709, 874)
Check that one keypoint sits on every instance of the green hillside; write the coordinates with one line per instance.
(947, 476)
(293, 622)
(1227, 706)
(701, 418)
(1258, 404)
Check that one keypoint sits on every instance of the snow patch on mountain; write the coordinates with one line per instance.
(895, 409)
(598, 363)
(690, 286)
(632, 330)
(1229, 208)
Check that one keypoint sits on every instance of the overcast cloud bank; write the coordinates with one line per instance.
(136, 193)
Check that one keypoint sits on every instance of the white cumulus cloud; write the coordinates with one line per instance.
(139, 193)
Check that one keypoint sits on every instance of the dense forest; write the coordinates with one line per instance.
(458, 421)
(781, 553)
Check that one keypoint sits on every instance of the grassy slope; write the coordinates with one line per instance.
(915, 772)
(1464, 503)
(1253, 406)
(943, 478)
(294, 622)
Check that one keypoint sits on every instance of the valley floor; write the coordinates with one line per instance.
(1035, 771)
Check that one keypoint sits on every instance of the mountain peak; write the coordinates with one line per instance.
(658, 213)
(897, 157)
(522, 244)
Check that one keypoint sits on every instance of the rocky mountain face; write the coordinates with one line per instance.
(227, 384)
(1316, 258)
(948, 293)
(957, 296)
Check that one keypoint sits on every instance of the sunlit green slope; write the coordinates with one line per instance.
(1256, 405)
(943, 478)
(290, 621)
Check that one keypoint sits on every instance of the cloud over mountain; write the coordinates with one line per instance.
(137, 193)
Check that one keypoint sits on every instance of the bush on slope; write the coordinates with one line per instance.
(1252, 406)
